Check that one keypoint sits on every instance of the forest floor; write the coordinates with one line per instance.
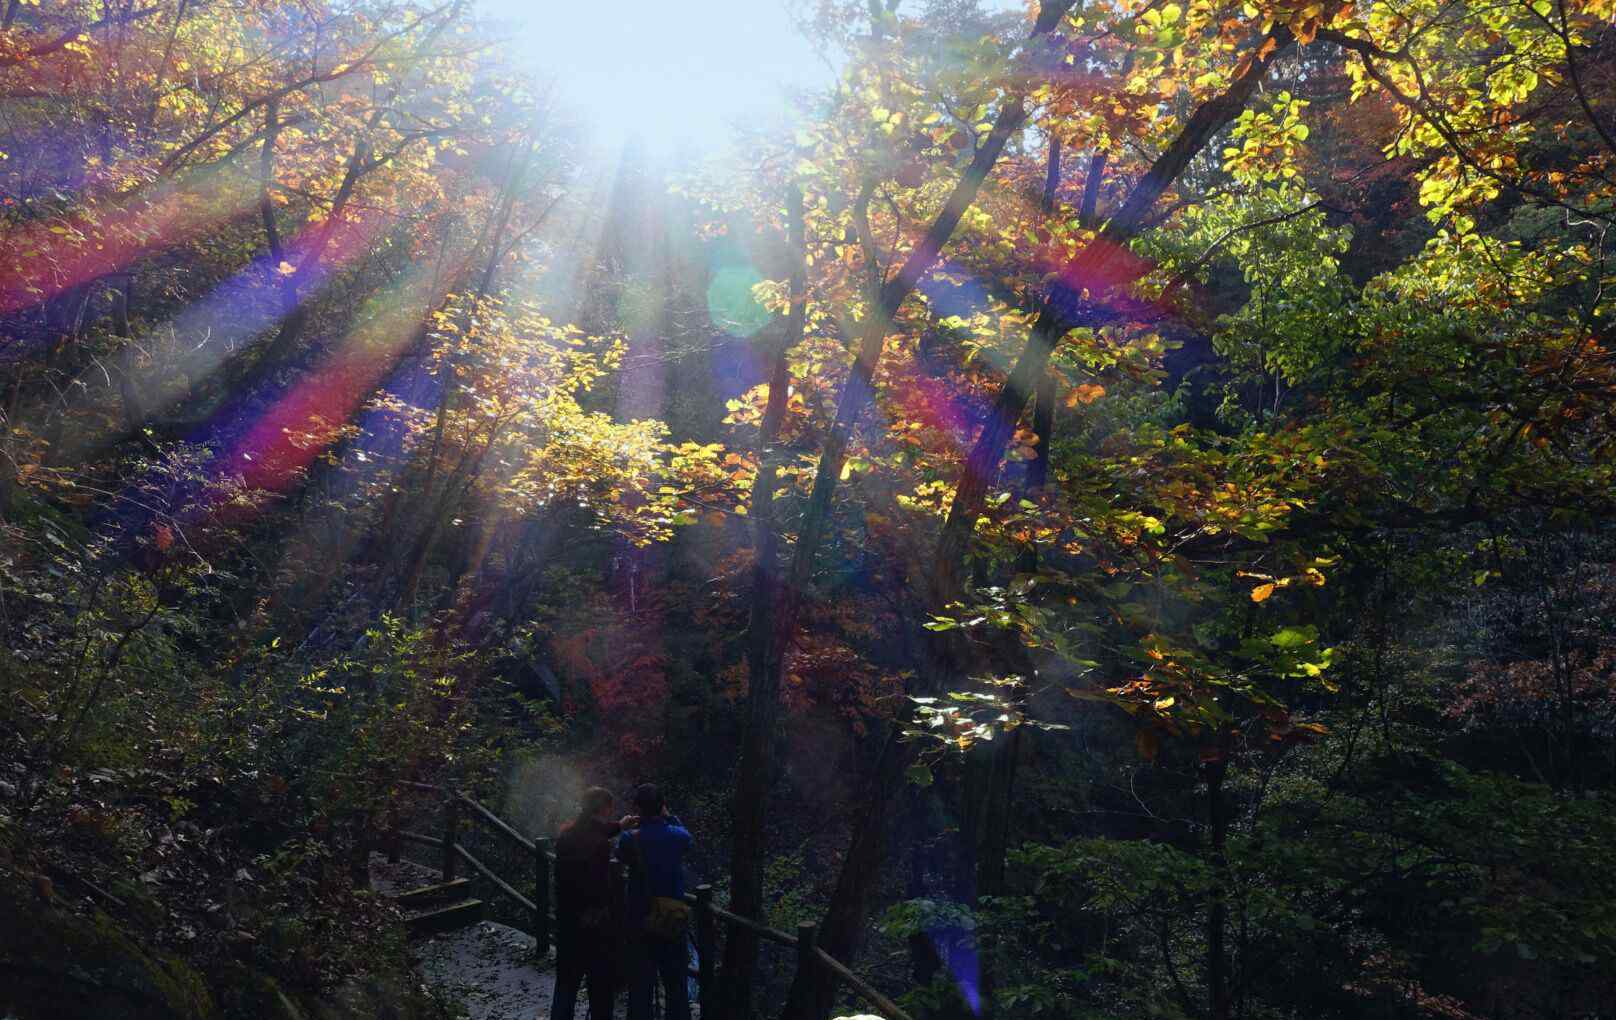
(488, 967)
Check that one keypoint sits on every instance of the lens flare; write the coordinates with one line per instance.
(731, 305)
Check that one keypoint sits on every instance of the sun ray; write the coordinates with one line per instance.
(50, 256)
(209, 333)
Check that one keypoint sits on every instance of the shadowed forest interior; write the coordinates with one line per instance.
(1100, 508)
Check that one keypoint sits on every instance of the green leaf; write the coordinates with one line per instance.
(920, 775)
(1295, 637)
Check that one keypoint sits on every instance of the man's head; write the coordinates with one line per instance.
(648, 801)
(594, 802)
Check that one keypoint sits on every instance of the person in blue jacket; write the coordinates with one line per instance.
(653, 854)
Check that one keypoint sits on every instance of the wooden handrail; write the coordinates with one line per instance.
(808, 952)
(860, 986)
(499, 824)
(762, 931)
(488, 873)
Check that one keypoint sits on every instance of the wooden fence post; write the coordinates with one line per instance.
(541, 898)
(359, 852)
(706, 950)
(393, 841)
(807, 959)
(451, 824)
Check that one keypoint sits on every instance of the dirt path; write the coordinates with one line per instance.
(488, 967)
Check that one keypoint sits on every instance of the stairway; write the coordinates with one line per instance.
(445, 906)
(485, 966)
(430, 907)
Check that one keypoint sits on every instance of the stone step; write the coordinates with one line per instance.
(421, 897)
(446, 918)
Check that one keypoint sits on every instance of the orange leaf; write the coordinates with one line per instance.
(1087, 393)
(1261, 592)
(1147, 743)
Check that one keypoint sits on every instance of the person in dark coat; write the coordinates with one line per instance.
(654, 856)
(586, 932)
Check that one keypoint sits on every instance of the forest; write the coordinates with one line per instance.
(1101, 509)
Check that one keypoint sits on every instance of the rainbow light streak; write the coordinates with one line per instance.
(227, 318)
(238, 309)
(1119, 267)
(943, 410)
(46, 257)
(381, 442)
(934, 404)
(954, 944)
(287, 437)
(384, 429)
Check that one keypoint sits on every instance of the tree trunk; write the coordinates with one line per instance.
(999, 823)
(993, 846)
(1217, 917)
(1089, 211)
(1043, 417)
(8, 424)
(494, 232)
(150, 116)
(134, 407)
(755, 767)
(64, 321)
(294, 296)
(841, 933)
(1052, 175)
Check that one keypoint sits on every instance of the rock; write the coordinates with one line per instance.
(63, 967)
(246, 993)
(377, 999)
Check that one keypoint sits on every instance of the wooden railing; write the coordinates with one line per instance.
(458, 806)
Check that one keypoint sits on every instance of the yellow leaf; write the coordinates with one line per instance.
(1261, 592)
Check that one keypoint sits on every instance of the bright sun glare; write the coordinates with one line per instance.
(677, 75)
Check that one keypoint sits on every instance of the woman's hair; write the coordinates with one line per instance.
(592, 800)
